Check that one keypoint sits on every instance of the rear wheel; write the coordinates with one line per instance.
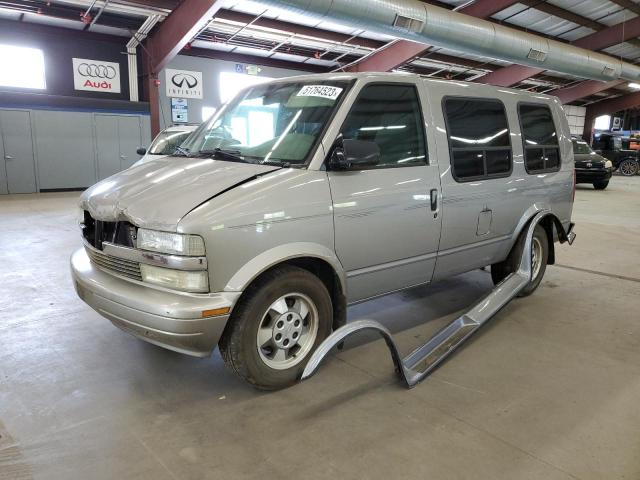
(539, 257)
(629, 167)
(276, 326)
(600, 185)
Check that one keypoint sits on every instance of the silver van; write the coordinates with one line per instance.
(304, 195)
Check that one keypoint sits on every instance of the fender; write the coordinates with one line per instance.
(532, 211)
(261, 263)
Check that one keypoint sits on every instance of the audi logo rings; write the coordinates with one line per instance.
(97, 71)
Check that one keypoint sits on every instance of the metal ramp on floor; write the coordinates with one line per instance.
(418, 364)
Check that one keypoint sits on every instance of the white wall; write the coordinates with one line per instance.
(575, 116)
(211, 70)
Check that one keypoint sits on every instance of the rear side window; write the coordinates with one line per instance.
(541, 151)
(389, 115)
(478, 138)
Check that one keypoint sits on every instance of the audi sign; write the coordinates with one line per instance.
(96, 75)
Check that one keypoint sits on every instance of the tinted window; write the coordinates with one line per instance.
(541, 152)
(390, 116)
(581, 147)
(479, 138)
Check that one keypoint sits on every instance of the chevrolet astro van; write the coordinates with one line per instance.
(307, 194)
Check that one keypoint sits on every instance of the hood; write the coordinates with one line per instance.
(158, 194)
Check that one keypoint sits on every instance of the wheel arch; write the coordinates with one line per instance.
(315, 258)
(551, 224)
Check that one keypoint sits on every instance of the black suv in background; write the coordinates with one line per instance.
(616, 149)
(590, 167)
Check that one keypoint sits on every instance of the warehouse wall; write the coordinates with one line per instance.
(575, 116)
(64, 150)
(65, 147)
(211, 70)
(60, 46)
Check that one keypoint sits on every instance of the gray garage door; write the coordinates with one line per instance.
(117, 139)
(17, 165)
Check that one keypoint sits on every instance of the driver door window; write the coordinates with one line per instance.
(390, 116)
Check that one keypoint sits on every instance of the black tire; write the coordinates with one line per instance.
(629, 167)
(239, 344)
(600, 185)
(499, 271)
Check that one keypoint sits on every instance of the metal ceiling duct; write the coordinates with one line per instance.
(424, 23)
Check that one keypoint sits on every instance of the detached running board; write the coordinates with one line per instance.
(423, 360)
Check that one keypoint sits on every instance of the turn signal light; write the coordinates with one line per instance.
(215, 312)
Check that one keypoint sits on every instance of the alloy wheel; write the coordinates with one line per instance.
(287, 331)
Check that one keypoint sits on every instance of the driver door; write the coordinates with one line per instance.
(387, 228)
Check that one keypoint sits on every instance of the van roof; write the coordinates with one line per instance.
(388, 75)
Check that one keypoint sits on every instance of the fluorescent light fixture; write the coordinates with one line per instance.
(22, 67)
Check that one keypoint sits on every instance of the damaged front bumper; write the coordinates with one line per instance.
(173, 320)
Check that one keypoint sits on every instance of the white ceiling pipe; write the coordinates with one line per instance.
(421, 22)
(132, 57)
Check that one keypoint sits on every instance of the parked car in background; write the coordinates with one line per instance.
(616, 148)
(307, 194)
(165, 143)
(590, 167)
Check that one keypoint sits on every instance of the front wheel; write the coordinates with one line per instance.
(629, 167)
(539, 257)
(600, 185)
(278, 323)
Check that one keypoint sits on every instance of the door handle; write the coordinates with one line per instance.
(434, 199)
(124, 157)
(8, 157)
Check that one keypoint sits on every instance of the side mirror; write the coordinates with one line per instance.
(141, 151)
(599, 152)
(348, 154)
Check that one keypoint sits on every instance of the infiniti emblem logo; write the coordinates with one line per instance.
(182, 79)
(96, 71)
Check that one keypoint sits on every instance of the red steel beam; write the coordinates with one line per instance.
(178, 29)
(400, 52)
(486, 8)
(583, 89)
(164, 43)
(607, 107)
(607, 37)
(388, 57)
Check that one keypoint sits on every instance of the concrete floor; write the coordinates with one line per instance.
(549, 389)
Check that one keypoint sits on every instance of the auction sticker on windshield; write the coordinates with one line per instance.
(323, 91)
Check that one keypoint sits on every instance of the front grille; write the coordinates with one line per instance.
(95, 232)
(120, 266)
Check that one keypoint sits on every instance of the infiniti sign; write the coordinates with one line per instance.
(96, 75)
(184, 80)
(183, 83)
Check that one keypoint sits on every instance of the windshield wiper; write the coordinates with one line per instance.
(181, 151)
(277, 163)
(233, 155)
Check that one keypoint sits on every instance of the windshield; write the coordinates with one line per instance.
(167, 142)
(581, 147)
(278, 122)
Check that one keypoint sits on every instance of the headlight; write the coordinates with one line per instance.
(175, 279)
(608, 164)
(165, 242)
